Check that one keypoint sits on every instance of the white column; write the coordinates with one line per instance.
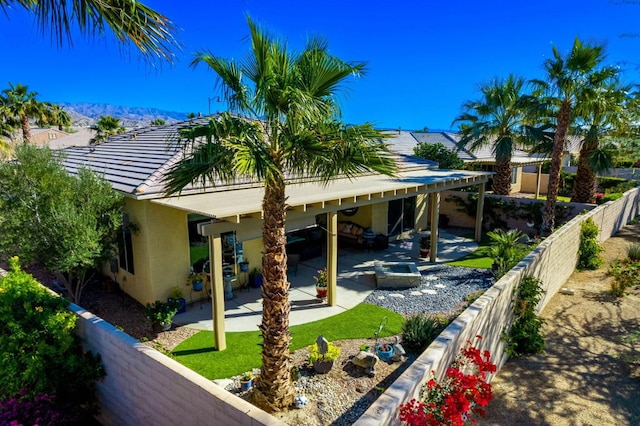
(332, 258)
(217, 292)
(479, 209)
(434, 199)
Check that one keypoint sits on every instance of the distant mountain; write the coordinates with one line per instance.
(85, 114)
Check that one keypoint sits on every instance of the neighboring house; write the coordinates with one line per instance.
(44, 136)
(170, 231)
(482, 159)
(80, 137)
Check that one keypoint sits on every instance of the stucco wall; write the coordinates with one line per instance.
(553, 261)
(529, 183)
(145, 387)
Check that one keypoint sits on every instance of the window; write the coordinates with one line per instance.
(125, 245)
(401, 215)
(514, 176)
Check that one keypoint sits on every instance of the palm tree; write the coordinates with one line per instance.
(57, 116)
(566, 79)
(497, 120)
(129, 20)
(602, 111)
(158, 122)
(105, 127)
(291, 130)
(21, 104)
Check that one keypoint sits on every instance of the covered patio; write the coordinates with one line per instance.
(355, 281)
(240, 211)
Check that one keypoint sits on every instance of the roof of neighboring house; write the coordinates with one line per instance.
(482, 155)
(80, 137)
(136, 162)
(38, 130)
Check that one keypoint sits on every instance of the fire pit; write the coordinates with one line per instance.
(397, 274)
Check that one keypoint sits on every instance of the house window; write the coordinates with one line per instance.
(514, 176)
(401, 215)
(125, 245)
(52, 135)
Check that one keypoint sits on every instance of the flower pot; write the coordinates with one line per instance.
(385, 352)
(182, 303)
(424, 253)
(244, 266)
(321, 292)
(322, 367)
(257, 282)
(158, 327)
(246, 385)
(197, 286)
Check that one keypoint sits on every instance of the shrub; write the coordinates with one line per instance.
(625, 273)
(506, 250)
(459, 397)
(590, 249)
(41, 410)
(39, 351)
(524, 336)
(418, 331)
(333, 353)
(634, 251)
(611, 197)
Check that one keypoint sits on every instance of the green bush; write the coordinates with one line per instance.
(633, 252)
(590, 249)
(611, 197)
(506, 250)
(625, 273)
(524, 337)
(39, 351)
(418, 331)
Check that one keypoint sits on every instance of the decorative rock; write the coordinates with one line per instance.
(398, 352)
(300, 401)
(429, 291)
(397, 296)
(366, 360)
(441, 286)
(416, 293)
(566, 290)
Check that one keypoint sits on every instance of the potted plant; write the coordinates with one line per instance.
(322, 363)
(196, 280)
(384, 351)
(257, 278)
(425, 246)
(175, 294)
(160, 314)
(246, 381)
(321, 283)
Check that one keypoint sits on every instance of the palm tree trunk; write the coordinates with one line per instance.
(584, 187)
(502, 179)
(549, 212)
(26, 130)
(274, 390)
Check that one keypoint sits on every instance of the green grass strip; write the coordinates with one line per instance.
(243, 348)
(479, 258)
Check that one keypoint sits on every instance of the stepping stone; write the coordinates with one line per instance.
(430, 277)
(441, 286)
(429, 291)
(381, 297)
(396, 295)
(416, 293)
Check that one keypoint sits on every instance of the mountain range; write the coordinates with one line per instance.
(84, 114)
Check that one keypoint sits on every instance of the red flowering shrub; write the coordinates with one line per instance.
(459, 397)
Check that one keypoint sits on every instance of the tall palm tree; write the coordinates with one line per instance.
(498, 120)
(105, 127)
(291, 129)
(567, 77)
(602, 111)
(129, 20)
(21, 104)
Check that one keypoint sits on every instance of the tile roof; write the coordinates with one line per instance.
(135, 162)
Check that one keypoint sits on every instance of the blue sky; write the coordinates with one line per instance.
(425, 58)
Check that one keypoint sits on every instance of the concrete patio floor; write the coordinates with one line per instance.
(356, 280)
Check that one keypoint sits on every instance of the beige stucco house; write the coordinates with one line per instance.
(222, 223)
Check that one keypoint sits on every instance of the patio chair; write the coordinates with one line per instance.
(292, 263)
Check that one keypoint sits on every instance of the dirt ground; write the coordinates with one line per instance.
(583, 378)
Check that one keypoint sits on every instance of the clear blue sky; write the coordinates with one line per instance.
(425, 58)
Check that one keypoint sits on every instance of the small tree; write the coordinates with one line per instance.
(446, 158)
(67, 223)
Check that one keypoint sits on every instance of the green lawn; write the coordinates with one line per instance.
(478, 259)
(243, 350)
(560, 198)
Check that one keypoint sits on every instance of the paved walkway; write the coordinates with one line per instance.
(356, 280)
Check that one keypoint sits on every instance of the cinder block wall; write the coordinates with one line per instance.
(553, 261)
(145, 387)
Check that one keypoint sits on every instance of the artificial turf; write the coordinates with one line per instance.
(243, 348)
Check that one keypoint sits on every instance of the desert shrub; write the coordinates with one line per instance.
(611, 197)
(625, 273)
(506, 250)
(524, 336)
(590, 249)
(40, 353)
(418, 331)
(633, 252)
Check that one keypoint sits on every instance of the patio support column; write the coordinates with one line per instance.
(479, 210)
(332, 258)
(217, 293)
(435, 216)
(538, 175)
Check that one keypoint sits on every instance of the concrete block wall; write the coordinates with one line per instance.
(145, 387)
(553, 261)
